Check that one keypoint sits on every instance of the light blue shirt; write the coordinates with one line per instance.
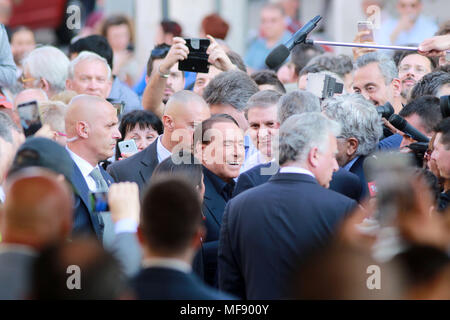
(349, 165)
(258, 51)
(120, 92)
(423, 28)
(7, 66)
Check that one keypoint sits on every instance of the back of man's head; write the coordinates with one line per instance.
(268, 78)
(302, 53)
(232, 88)
(171, 216)
(48, 63)
(94, 43)
(427, 108)
(78, 270)
(37, 210)
(431, 84)
(358, 119)
(339, 64)
(297, 102)
(444, 128)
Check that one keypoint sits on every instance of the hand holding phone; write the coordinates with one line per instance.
(366, 26)
(29, 117)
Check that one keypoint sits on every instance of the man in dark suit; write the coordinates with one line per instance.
(344, 182)
(182, 113)
(361, 130)
(36, 199)
(170, 231)
(219, 144)
(266, 231)
(92, 129)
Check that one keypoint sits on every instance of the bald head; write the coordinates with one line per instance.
(182, 113)
(28, 95)
(85, 108)
(92, 128)
(38, 208)
(183, 101)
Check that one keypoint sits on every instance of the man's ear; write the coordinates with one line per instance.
(69, 84)
(352, 146)
(44, 85)
(396, 87)
(313, 157)
(168, 123)
(82, 129)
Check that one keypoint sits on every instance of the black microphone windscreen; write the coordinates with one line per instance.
(398, 122)
(277, 56)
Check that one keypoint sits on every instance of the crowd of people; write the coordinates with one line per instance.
(238, 183)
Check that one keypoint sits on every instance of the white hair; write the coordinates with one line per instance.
(48, 63)
(359, 119)
(302, 132)
(87, 56)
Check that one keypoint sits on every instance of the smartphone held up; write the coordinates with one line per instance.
(197, 60)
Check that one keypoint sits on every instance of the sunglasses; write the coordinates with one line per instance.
(160, 51)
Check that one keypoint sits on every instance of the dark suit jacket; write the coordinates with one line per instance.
(15, 274)
(267, 230)
(344, 182)
(357, 168)
(168, 284)
(85, 221)
(213, 207)
(138, 168)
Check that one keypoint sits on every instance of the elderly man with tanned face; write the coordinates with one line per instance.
(92, 130)
(182, 113)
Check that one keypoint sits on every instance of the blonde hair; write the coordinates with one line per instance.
(53, 113)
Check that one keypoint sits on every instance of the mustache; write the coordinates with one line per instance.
(409, 78)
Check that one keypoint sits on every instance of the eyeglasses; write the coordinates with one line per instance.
(407, 67)
(25, 80)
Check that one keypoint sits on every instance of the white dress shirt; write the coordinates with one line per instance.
(2, 195)
(161, 151)
(297, 170)
(169, 263)
(85, 168)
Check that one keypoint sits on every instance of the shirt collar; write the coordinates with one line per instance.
(162, 152)
(219, 185)
(84, 166)
(169, 263)
(297, 170)
(349, 165)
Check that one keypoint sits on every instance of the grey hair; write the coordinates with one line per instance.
(341, 64)
(297, 102)
(6, 124)
(48, 63)
(230, 88)
(359, 119)
(53, 113)
(386, 64)
(87, 56)
(262, 99)
(302, 132)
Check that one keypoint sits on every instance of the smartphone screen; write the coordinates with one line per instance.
(29, 117)
(366, 26)
(197, 60)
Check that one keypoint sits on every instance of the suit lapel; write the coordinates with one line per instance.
(213, 201)
(149, 161)
(82, 190)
